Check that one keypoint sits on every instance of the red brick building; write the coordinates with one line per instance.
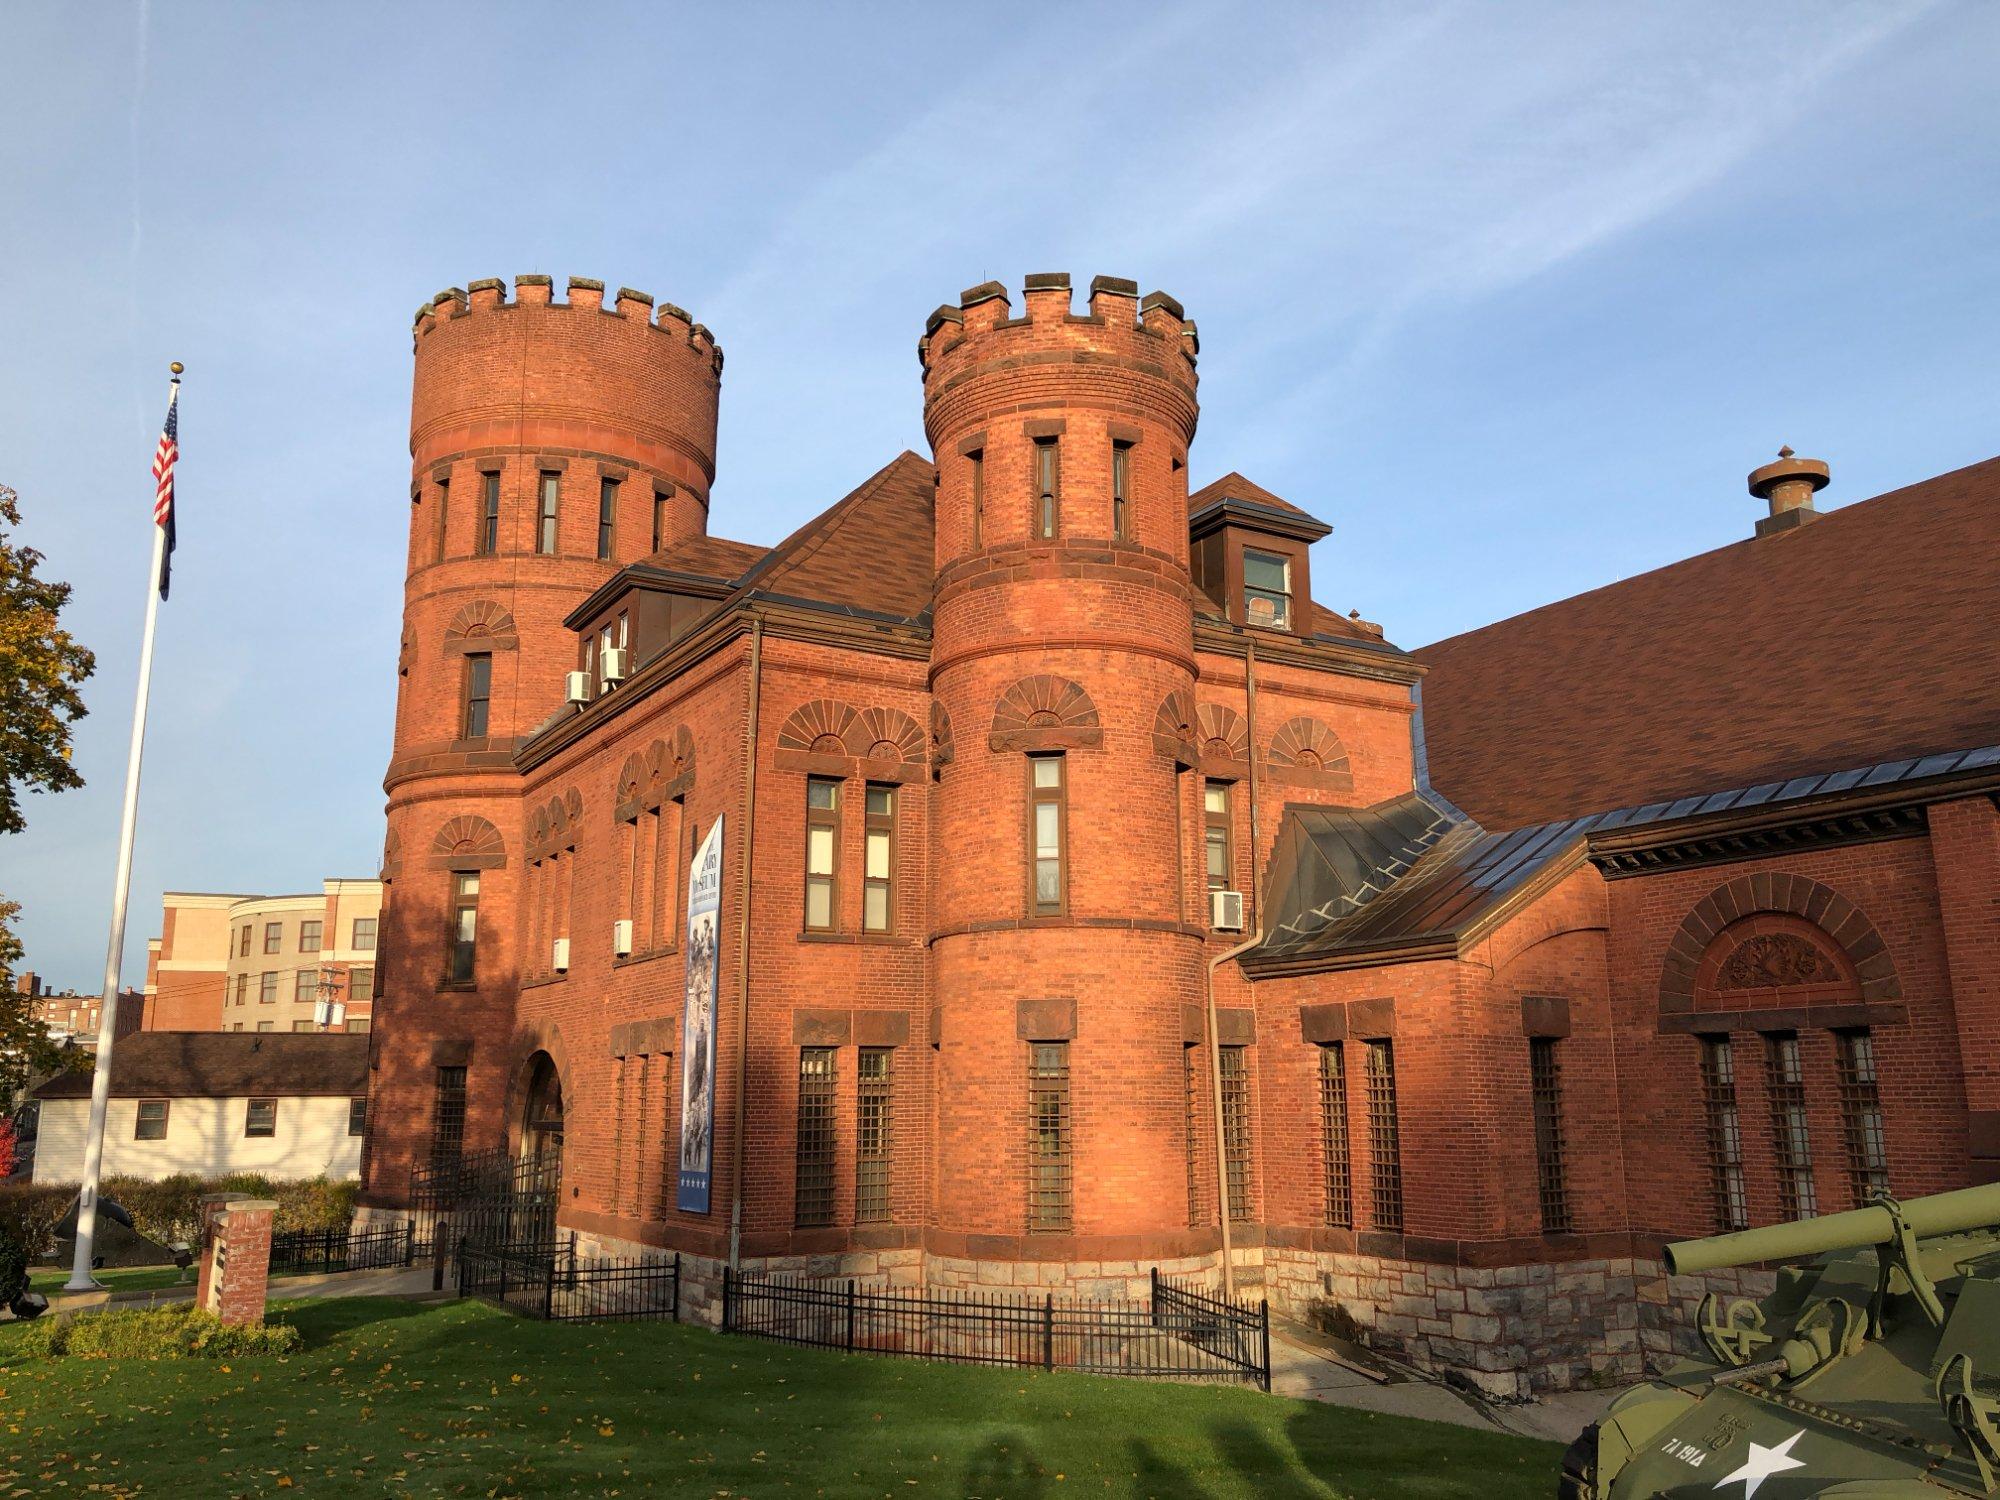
(1018, 742)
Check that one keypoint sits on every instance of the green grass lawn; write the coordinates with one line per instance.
(462, 1399)
(49, 1282)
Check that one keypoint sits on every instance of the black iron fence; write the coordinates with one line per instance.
(550, 1281)
(1176, 1333)
(299, 1252)
(485, 1197)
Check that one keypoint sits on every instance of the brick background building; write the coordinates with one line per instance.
(1673, 908)
(263, 963)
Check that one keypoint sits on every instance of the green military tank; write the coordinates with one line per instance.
(1871, 1372)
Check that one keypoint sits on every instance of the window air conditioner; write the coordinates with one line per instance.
(621, 937)
(611, 665)
(578, 684)
(1225, 911)
(559, 959)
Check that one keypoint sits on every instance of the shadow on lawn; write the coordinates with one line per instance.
(322, 1319)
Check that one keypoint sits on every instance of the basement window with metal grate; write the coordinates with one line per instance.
(872, 1136)
(1050, 1186)
(1385, 1151)
(1551, 1169)
(1236, 1129)
(1333, 1135)
(1725, 1133)
(813, 1202)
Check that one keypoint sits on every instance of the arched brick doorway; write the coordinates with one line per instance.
(542, 1114)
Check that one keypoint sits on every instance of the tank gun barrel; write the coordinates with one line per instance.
(1939, 1214)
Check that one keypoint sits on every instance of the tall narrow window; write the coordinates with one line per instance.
(1046, 797)
(489, 515)
(607, 518)
(875, 1115)
(1861, 1116)
(660, 498)
(1333, 1135)
(1215, 833)
(1725, 1133)
(1048, 482)
(667, 873)
(977, 458)
(1049, 1165)
(1385, 1146)
(878, 884)
(274, 937)
(267, 987)
(1191, 1084)
(448, 1116)
(464, 926)
(545, 514)
(309, 936)
(443, 515)
(1545, 1084)
(822, 852)
(813, 1204)
(1790, 1138)
(243, 946)
(357, 1115)
(1267, 590)
(478, 695)
(1236, 1129)
(1121, 498)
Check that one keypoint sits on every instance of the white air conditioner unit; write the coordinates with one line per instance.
(621, 937)
(578, 687)
(559, 959)
(611, 665)
(1225, 911)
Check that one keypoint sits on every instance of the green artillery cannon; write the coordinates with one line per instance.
(1870, 1372)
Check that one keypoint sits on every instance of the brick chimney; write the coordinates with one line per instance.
(1788, 486)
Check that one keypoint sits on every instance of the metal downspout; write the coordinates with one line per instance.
(743, 947)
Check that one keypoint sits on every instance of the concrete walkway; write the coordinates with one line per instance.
(1301, 1367)
(412, 1282)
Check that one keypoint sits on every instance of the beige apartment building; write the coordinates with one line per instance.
(263, 963)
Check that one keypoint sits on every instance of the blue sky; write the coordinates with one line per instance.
(1513, 296)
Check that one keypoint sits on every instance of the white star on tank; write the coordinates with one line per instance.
(1763, 1463)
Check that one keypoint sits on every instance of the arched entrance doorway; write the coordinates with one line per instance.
(542, 1114)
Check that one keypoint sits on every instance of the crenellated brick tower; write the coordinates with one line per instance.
(1063, 619)
(551, 444)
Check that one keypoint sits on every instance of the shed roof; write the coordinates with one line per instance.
(226, 1065)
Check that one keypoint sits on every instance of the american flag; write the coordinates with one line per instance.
(164, 458)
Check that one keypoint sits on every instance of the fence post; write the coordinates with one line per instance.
(409, 1242)
(549, 1291)
(440, 1250)
(1048, 1330)
(725, 1299)
(850, 1316)
(1264, 1340)
(677, 1286)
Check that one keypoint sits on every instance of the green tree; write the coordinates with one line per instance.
(42, 669)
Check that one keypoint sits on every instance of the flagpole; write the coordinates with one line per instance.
(80, 1279)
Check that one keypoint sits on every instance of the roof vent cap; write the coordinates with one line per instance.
(1788, 486)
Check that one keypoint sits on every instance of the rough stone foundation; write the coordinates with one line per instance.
(1514, 1332)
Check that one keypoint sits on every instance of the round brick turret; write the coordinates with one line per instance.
(1061, 635)
(509, 395)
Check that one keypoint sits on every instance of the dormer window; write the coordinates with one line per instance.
(1267, 590)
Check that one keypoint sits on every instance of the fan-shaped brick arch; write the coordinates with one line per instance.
(1305, 744)
(631, 788)
(821, 727)
(1174, 728)
(468, 842)
(886, 734)
(1221, 734)
(1821, 908)
(481, 626)
(1045, 713)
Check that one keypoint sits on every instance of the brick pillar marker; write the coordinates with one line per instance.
(235, 1256)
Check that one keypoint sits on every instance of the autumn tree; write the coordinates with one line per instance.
(42, 669)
